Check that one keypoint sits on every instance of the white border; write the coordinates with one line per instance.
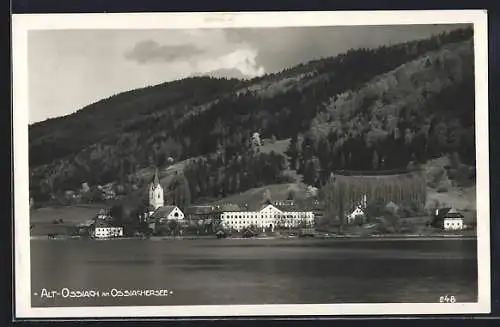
(21, 24)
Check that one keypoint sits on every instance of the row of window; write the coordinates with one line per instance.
(453, 225)
(248, 223)
(255, 221)
(108, 231)
(239, 222)
(254, 216)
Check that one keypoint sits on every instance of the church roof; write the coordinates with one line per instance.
(163, 211)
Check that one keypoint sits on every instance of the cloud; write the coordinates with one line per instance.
(149, 51)
(241, 59)
(284, 47)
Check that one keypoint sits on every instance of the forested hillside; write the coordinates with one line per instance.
(367, 109)
(421, 110)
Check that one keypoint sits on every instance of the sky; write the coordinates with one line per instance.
(69, 69)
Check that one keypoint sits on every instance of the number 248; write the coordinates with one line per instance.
(447, 299)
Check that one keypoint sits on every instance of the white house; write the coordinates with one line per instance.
(103, 229)
(359, 211)
(453, 220)
(268, 216)
(450, 219)
(453, 223)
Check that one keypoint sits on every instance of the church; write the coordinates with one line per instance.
(158, 212)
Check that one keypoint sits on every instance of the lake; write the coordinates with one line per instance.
(228, 271)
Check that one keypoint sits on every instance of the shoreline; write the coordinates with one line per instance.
(409, 237)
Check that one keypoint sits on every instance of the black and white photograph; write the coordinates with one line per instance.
(251, 164)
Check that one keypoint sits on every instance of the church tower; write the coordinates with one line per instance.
(156, 192)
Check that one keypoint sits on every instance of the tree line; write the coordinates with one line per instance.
(217, 175)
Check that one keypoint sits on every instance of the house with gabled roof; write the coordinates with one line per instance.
(448, 219)
(359, 211)
(201, 214)
(102, 227)
(166, 213)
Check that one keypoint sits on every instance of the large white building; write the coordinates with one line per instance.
(268, 217)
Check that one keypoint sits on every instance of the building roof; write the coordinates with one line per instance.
(453, 215)
(287, 207)
(200, 210)
(163, 211)
(229, 207)
(102, 223)
(283, 208)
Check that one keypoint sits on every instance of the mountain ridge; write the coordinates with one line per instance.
(214, 118)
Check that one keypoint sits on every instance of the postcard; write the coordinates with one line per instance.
(251, 164)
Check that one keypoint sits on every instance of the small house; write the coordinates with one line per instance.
(453, 220)
(104, 229)
(358, 212)
(448, 219)
(202, 214)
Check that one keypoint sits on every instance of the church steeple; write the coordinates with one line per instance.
(156, 179)
(156, 191)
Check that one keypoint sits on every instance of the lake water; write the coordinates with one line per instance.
(211, 271)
